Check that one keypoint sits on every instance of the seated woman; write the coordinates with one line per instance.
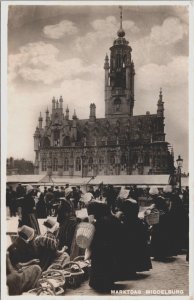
(42, 247)
(21, 281)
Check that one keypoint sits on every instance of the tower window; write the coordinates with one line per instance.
(44, 164)
(78, 164)
(117, 104)
(66, 164)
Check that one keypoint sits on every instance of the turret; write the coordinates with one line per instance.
(47, 117)
(92, 112)
(53, 103)
(67, 113)
(37, 139)
(160, 109)
(61, 102)
(74, 126)
(106, 68)
(40, 120)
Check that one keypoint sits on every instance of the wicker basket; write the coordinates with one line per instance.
(85, 234)
(56, 278)
(152, 218)
(45, 288)
(76, 277)
(84, 265)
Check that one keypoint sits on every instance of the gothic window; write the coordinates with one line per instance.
(123, 159)
(78, 164)
(90, 164)
(112, 160)
(66, 141)
(56, 138)
(46, 142)
(44, 164)
(146, 159)
(118, 60)
(66, 164)
(55, 164)
(90, 161)
(101, 160)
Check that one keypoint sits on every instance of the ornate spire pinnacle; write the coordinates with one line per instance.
(160, 95)
(40, 118)
(121, 17)
(106, 62)
(121, 32)
(74, 115)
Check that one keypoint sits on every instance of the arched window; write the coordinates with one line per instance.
(66, 164)
(44, 164)
(55, 164)
(101, 160)
(117, 103)
(146, 160)
(112, 160)
(78, 164)
(56, 138)
(123, 159)
(90, 161)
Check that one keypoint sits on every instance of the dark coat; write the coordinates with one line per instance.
(162, 240)
(135, 249)
(105, 264)
(66, 232)
(41, 207)
(29, 213)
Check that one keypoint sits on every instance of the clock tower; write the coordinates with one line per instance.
(119, 78)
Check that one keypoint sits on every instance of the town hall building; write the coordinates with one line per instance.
(120, 143)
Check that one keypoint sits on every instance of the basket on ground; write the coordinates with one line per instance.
(85, 234)
(84, 265)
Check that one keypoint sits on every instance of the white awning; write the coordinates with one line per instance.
(140, 180)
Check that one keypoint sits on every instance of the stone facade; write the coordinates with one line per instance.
(120, 143)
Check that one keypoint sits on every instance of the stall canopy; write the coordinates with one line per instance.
(139, 180)
(24, 178)
(62, 180)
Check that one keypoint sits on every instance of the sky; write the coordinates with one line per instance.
(60, 50)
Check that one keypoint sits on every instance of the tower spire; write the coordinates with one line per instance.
(121, 17)
(121, 32)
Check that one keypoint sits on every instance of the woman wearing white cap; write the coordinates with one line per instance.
(27, 210)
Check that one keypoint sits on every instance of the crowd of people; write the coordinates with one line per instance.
(123, 243)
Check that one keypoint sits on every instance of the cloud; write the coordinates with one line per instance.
(171, 31)
(38, 62)
(60, 30)
(174, 74)
(104, 31)
(110, 25)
